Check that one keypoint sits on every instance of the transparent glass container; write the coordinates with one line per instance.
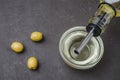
(91, 54)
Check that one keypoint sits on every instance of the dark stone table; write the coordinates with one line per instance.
(18, 18)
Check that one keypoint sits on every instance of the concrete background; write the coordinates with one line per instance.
(18, 18)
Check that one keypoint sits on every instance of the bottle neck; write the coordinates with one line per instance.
(101, 19)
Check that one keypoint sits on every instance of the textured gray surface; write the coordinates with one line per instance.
(18, 18)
